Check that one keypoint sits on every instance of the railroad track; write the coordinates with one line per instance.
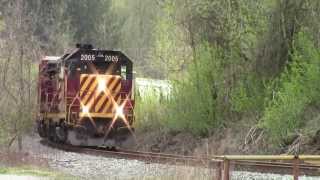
(216, 163)
(148, 157)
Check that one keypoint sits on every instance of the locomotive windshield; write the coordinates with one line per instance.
(91, 61)
(99, 68)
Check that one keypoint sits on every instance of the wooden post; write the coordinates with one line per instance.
(226, 169)
(296, 169)
(218, 171)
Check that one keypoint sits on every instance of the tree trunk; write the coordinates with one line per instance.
(22, 101)
(20, 141)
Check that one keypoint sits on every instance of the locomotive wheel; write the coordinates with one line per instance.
(61, 133)
(52, 133)
(41, 129)
(81, 133)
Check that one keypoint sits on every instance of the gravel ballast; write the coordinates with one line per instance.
(97, 167)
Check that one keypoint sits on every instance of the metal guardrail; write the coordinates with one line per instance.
(223, 171)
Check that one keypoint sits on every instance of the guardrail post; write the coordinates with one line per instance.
(226, 169)
(296, 170)
(218, 171)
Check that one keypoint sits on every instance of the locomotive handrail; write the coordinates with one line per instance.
(71, 105)
(94, 91)
(49, 104)
(52, 102)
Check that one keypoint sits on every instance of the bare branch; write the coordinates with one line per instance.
(4, 79)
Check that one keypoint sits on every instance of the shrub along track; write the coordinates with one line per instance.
(214, 163)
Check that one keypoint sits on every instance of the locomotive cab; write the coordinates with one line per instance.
(92, 98)
(48, 69)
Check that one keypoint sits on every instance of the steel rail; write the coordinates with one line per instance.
(145, 156)
(251, 163)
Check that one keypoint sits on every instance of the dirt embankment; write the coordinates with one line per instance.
(229, 141)
(13, 159)
(187, 144)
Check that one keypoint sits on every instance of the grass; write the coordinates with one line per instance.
(35, 171)
(193, 173)
(150, 113)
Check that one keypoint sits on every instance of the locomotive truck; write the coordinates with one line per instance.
(86, 98)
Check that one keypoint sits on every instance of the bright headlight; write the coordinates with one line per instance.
(85, 109)
(119, 112)
(101, 85)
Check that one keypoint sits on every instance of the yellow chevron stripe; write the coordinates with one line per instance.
(100, 103)
(83, 76)
(86, 100)
(108, 105)
(105, 95)
(111, 86)
(84, 86)
(90, 102)
(118, 88)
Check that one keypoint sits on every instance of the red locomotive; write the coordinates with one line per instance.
(86, 98)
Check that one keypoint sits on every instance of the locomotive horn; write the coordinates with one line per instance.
(84, 46)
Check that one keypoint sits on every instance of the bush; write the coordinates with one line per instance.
(193, 103)
(297, 87)
(248, 95)
(149, 112)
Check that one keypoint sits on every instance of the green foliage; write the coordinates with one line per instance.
(193, 104)
(248, 95)
(138, 33)
(35, 171)
(168, 52)
(94, 21)
(294, 91)
(149, 112)
(252, 65)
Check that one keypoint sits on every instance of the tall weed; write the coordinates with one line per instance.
(150, 112)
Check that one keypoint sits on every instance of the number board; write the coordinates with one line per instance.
(89, 56)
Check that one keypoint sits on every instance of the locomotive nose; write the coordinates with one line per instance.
(99, 95)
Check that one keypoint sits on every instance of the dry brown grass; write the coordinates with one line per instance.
(13, 159)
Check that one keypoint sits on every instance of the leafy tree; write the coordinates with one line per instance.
(93, 21)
